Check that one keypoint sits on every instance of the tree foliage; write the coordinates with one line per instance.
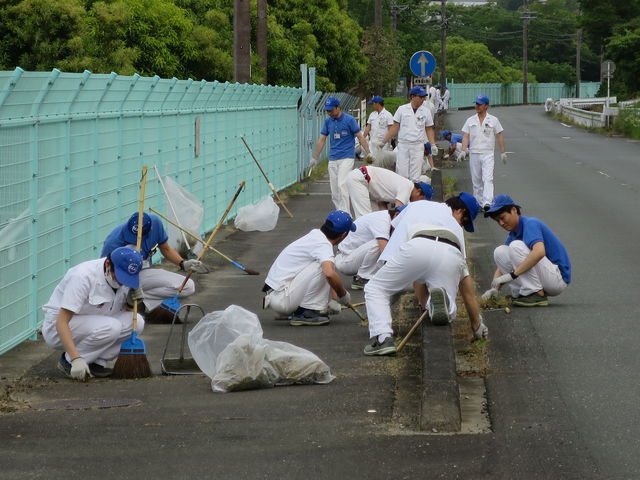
(381, 49)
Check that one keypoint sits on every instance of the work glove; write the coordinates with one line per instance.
(313, 162)
(133, 295)
(445, 156)
(195, 265)
(378, 144)
(502, 279)
(369, 159)
(333, 308)
(80, 369)
(345, 299)
(482, 331)
(434, 150)
(489, 294)
(462, 156)
(503, 157)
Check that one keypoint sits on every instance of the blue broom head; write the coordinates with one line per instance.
(172, 305)
(133, 346)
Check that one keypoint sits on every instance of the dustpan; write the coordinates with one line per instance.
(181, 365)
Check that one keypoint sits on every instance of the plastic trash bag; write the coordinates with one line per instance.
(384, 158)
(190, 213)
(229, 348)
(261, 216)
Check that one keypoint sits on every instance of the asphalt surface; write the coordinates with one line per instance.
(561, 391)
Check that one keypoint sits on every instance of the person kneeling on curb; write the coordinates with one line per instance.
(302, 277)
(532, 260)
(433, 259)
(89, 313)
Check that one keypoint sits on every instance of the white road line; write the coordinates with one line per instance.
(602, 173)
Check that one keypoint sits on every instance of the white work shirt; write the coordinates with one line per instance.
(313, 247)
(421, 212)
(85, 291)
(412, 125)
(482, 138)
(380, 122)
(388, 186)
(371, 226)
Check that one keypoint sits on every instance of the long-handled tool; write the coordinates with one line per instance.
(412, 331)
(363, 319)
(246, 270)
(132, 361)
(172, 305)
(190, 253)
(273, 189)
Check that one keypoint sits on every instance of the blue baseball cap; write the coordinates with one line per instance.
(331, 102)
(482, 100)
(131, 230)
(426, 189)
(127, 263)
(473, 206)
(376, 99)
(418, 90)
(445, 133)
(341, 221)
(500, 201)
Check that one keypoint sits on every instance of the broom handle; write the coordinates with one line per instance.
(143, 183)
(411, 332)
(206, 245)
(173, 210)
(273, 189)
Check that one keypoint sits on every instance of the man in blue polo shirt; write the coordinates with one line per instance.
(532, 260)
(342, 129)
(455, 144)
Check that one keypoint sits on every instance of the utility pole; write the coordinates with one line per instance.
(443, 43)
(261, 37)
(578, 67)
(526, 16)
(395, 10)
(377, 14)
(241, 41)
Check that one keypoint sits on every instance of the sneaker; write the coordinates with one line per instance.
(308, 317)
(99, 371)
(531, 300)
(358, 282)
(64, 366)
(439, 306)
(385, 348)
(486, 207)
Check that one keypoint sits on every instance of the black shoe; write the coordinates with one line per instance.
(308, 317)
(99, 371)
(486, 208)
(531, 300)
(64, 366)
(358, 282)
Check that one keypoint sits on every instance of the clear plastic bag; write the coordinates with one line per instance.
(261, 216)
(189, 209)
(229, 348)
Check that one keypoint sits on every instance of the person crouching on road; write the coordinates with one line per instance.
(376, 185)
(157, 284)
(302, 277)
(532, 261)
(455, 144)
(89, 313)
(433, 259)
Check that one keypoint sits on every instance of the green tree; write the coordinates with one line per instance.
(623, 47)
(381, 48)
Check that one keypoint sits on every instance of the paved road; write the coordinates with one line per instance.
(587, 188)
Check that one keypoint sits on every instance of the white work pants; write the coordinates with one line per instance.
(409, 160)
(481, 166)
(97, 337)
(358, 188)
(309, 289)
(158, 285)
(362, 261)
(338, 172)
(421, 260)
(544, 275)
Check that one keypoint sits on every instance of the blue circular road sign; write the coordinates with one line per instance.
(422, 63)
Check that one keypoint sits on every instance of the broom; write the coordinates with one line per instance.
(172, 305)
(132, 361)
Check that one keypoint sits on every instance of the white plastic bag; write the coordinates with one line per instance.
(229, 348)
(190, 211)
(384, 158)
(261, 216)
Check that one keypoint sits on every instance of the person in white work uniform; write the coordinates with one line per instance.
(369, 185)
(432, 258)
(89, 314)
(413, 124)
(445, 98)
(378, 123)
(358, 253)
(480, 132)
(302, 276)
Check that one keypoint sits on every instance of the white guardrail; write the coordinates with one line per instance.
(574, 109)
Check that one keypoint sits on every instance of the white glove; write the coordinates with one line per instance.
(345, 299)
(313, 162)
(446, 155)
(369, 159)
(497, 282)
(195, 265)
(482, 331)
(462, 156)
(133, 295)
(80, 369)
(378, 144)
(434, 149)
(489, 294)
(503, 157)
(334, 307)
